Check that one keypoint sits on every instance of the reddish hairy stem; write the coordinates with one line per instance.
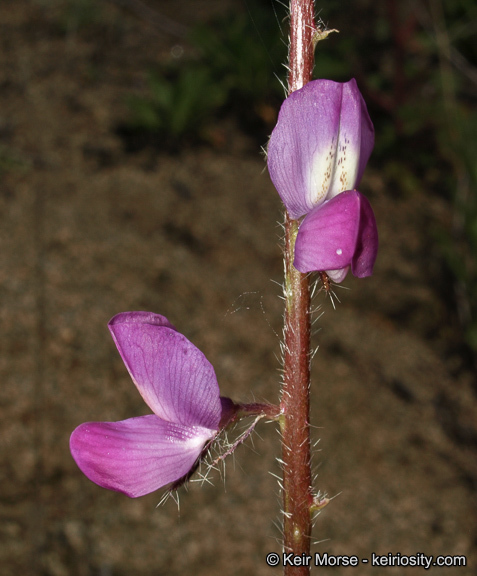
(301, 50)
(295, 402)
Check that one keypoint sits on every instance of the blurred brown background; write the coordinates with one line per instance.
(94, 223)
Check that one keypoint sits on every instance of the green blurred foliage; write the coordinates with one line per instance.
(178, 105)
(232, 74)
(243, 51)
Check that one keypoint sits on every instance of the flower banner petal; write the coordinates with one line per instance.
(327, 237)
(175, 379)
(139, 455)
(320, 145)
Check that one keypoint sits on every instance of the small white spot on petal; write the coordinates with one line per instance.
(339, 251)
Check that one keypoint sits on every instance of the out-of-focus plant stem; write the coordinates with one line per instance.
(295, 403)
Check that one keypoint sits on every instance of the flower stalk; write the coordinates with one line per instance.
(295, 401)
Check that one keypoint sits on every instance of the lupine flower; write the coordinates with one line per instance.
(317, 151)
(139, 455)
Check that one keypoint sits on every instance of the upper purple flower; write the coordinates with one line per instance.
(317, 154)
(140, 455)
(320, 145)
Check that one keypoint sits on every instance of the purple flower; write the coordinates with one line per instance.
(140, 455)
(316, 157)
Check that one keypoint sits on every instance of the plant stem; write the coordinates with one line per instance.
(301, 49)
(295, 401)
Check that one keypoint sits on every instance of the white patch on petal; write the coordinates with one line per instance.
(199, 437)
(339, 251)
(321, 173)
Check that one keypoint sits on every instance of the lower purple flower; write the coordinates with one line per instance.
(139, 455)
(337, 234)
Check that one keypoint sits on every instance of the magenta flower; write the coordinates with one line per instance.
(140, 455)
(317, 152)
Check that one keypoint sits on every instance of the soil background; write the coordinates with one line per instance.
(88, 230)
